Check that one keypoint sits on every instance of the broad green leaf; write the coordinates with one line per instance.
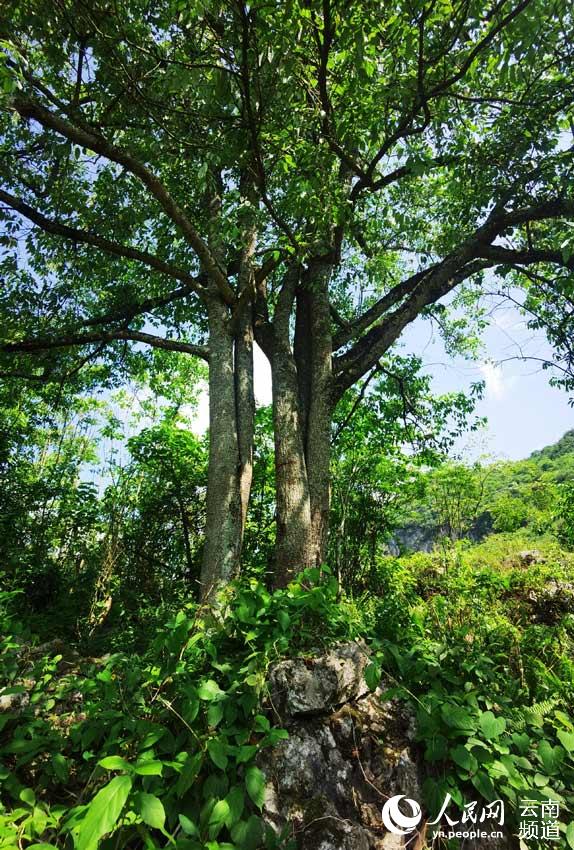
(214, 713)
(188, 825)
(491, 726)
(236, 801)
(436, 748)
(218, 818)
(461, 756)
(283, 619)
(217, 750)
(522, 742)
(483, 784)
(247, 834)
(41, 846)
(210, 691)
(28, 796)
(255, 785)
(115, 763)
(567, 740)
(189, 774)
(103, 812)
(148, 768)
(551, 757)
(151, 809)
(372, 674)
(458, 718)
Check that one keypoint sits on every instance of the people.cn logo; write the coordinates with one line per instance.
(397, 822)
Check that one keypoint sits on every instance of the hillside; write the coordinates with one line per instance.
(476, 500)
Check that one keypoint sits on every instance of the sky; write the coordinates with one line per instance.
(524, 412)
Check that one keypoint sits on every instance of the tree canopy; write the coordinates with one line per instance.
(317, 175)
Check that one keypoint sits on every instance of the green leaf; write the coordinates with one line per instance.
(189, 774)
(41, 846)
(372, 674)
(436, 748)
(458, 718)
(522, 742)
(218, 818)
(255, 784)
(261, 723)
(114, 763)
(60, 766)
(551, 757)
(210, 691)
(188, 825)
(214, 714)
(461, 756)
(103, 812)
(149, 768)
(151, 809)
(492, 727)
(246, 753)
(236, 801)
(217, 750)
(284, 620)
(569, 834)
(247, 834)
(483, 784)
(28, 796)
(567, 740)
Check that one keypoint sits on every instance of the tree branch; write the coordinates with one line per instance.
(88, 138)
(37, 344)
(370, 348)
(57, 228)
(396, 294)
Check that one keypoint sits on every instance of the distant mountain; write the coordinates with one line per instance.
(564, 446)
(504, 496)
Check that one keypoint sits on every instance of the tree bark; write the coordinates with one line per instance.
(302, 411)
(320, 410)
(293, 547)
(244, 406)
(231, 412)
(294, 543)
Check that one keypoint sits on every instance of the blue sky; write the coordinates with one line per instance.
(524, 412)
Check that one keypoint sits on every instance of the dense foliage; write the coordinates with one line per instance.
(165, 746)
(183, 180)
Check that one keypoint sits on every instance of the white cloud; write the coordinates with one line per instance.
(494, 379)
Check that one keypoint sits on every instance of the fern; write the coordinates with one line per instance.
(530, 715)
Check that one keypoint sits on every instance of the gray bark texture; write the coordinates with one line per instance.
(231, 411)
(302, 410)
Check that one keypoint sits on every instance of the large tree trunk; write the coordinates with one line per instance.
(320, 408)
(293, 549)
(294, 543)
(244, 406)
(231, 411)
(302, 411)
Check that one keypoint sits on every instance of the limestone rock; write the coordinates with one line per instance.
(316, 685)
(347, 753)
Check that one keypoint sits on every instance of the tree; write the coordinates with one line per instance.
(318, 174)
(382, 442)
